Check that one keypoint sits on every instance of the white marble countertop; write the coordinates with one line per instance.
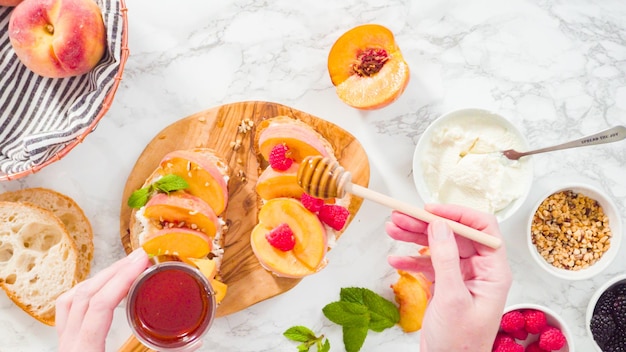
(556, 69)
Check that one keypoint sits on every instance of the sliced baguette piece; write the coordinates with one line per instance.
(69, 212)
(38, 258)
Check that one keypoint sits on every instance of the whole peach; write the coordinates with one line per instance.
(58, 38)
(9, 2)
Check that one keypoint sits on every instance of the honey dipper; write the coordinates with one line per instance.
(323, 177)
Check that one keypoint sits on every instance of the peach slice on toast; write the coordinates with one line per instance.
(182, 209)
(301, 139)
(307, 256)
(367, 67)
(202, 172)
(276, 184)
(178, 241)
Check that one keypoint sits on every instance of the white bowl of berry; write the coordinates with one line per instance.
(606, 315)
(532, 328)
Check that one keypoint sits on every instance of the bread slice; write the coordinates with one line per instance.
(69, 212)
(140, 226)
(38, 259)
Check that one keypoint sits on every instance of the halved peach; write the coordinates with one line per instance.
(412, 292)
(308, 254)
(182, 242)
(301, 139)
(276, 184)
(201, 172)
(367, 67)
(183, 209)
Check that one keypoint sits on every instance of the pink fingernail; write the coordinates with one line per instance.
(441, 230)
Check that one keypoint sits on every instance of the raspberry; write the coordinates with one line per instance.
(334, 216)
(502, 338)
(551, 339)
(279, 159)
(535, 321)
(534, 347)
(512, 321)
(520, 334)
(311, 203)
(508, 346)
(281, 238)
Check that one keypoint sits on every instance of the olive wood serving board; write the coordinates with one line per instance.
(218, 128)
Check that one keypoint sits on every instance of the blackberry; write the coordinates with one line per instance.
(616, 344)
(602, 328)
(619, 306)
(604, 306)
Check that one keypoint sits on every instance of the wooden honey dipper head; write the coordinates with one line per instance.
(323, 177)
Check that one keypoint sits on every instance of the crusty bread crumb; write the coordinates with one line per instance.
(69, 212)
(38, 258)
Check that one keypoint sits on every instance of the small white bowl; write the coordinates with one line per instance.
(594, 300)
(609, 208)
(480, 117)
(552, 319)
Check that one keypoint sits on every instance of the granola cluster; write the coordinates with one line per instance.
(570, 230)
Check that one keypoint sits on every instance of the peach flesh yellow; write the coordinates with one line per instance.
(307, 256)
(184, 209)
(300, 140)
(185, 243)
(203, 176)
(58, 38)
(367, 67)
(277, 184)
(412, 292)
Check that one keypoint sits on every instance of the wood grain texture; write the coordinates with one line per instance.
(217, 128)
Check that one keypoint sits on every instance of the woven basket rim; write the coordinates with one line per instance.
(106, 104)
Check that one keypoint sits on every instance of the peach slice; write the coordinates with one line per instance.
(301, 139)
(178, 241)
(220, 289)
(367, 67)
(276, 184)
(183, 209)
(202, 172)
(308, 254)
(412, 293)
(208, 267)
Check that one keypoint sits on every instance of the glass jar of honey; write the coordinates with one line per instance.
(170, 306)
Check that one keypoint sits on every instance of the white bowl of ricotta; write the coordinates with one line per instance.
(457, 161)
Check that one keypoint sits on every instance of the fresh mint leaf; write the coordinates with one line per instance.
(325, 347)
(383, 313)
(139, 198)
(354, 337)
(170, 183)
(347, 314)
(303, 334)
(299, 333)
(352, 294)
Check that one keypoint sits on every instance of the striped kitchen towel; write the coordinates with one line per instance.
(39, 116)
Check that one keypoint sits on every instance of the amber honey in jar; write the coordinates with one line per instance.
(170, 306)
